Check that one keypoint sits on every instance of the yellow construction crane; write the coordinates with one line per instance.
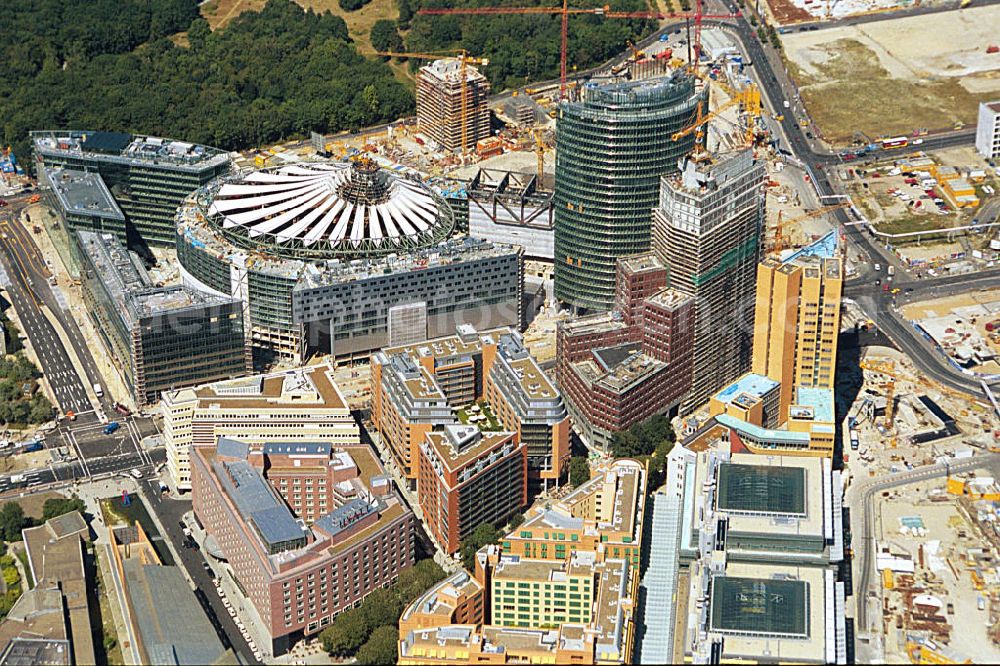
(748, 99)
(752, 107)
(540, 153)
(779, 237)
(887, 368)
(636, 53)
(465, 60)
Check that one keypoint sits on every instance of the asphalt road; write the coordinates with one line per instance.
(78, 469)
(96, 452)
(36, 270)
(879, 305)
(170, 511)
(46, 342)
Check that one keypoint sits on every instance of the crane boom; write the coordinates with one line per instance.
(779, 237)
(748, 98)
(565, 11)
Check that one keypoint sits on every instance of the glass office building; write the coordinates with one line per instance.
(611, 150)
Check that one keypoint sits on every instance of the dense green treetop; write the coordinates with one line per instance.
(107, 64)
(524, 48)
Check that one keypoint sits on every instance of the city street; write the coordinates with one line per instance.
(777, 87)
(170, 511)
(27, 284)
(35, 274)
(22, 286)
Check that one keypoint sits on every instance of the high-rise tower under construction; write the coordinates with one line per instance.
(440, 112)
(707, 230)
(611, 149)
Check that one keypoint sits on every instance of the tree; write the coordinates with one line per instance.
(198, 33)
(385, 37)
(405, 14)
(483, 535)
(58, 506)
(658, 464)
(11, 521)
(382, 606)
(370, 96)
(625, 444)
(380, 609)
(351, 5)
(579, 470)
(68, 63)
(41, 409)
(380, 647)
(346, 634)
(414, 581)
(642, 438)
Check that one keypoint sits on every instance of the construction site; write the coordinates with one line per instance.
(965, 327)
(935, 541)
(789, 12)
(899, 420)
(897, 76)
(934, 210)
(937, 557)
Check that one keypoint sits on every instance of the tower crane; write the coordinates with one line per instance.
(752, 108)
(565, 11)
(779, 237)
(465, 60)
(749, 99)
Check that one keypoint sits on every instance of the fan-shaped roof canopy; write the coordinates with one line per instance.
(331, 208)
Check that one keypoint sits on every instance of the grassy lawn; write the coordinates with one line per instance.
(12, 584)
(105, 634)
(22, 555)
(220, 12)
(908, 223)
(490, 425)
(32, 504)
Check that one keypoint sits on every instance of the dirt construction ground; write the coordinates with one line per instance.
(892, 77)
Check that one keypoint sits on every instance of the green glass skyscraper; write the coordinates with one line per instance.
(611, 149)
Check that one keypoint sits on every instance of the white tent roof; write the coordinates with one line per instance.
(336, 202)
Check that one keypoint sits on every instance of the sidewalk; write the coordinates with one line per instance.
(246, 612)
(52, 246)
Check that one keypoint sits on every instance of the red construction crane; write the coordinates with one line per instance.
(605, 11)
